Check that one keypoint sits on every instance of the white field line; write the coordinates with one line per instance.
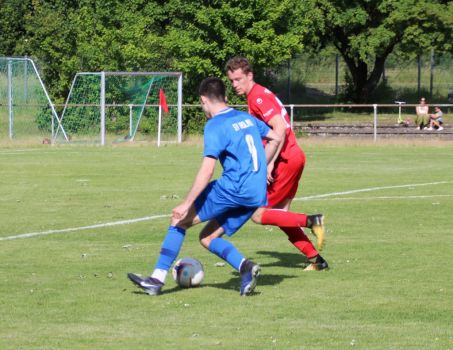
(384, 197)
(154, 217)
(15, 151)
(367, 190)
(30, 150)
(107, 224)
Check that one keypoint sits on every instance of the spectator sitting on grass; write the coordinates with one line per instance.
(422, 117)
(436, 120)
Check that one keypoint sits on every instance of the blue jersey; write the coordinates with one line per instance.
(235, 139)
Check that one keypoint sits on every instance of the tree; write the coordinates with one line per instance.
(201, 36)
(69, 36)
(12, 22)
(365, 32)
(191, 36)
(49, 37)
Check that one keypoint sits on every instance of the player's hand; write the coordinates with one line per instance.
(180, 212)
(270, 179)
(270, 170)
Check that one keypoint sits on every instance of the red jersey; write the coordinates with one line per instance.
(263, 104)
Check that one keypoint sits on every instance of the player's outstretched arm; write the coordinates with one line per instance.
(202, 179)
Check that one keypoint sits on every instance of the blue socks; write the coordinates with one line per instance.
(170, 247)
(173, 242)
(227, 251)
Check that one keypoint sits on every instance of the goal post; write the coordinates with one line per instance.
(26, 102)
(104, 107)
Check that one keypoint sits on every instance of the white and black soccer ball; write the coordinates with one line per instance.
(188, 272)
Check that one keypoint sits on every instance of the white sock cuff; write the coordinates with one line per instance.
(160, 275)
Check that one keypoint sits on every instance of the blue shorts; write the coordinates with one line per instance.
(210, 204)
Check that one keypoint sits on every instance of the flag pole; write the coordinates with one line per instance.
(162, 106)
(159, 125)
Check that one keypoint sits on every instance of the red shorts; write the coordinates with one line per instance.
(286, 179)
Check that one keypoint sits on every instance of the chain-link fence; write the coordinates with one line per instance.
(322, 79)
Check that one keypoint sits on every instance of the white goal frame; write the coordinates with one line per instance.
(10, 100)
(103, 105)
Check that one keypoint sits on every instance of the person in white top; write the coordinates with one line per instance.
(422, 117)
(436, 120)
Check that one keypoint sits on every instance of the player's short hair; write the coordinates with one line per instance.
(237, 62)
(213, 88)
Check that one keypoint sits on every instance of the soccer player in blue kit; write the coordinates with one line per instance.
(235, 139)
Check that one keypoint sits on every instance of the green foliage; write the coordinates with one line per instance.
(194, 121)
(201, 46)
(50, 37)
(12, 26)
(44, 120)
(197, 38)
(366, 32)
(189, 36)
(117, 120)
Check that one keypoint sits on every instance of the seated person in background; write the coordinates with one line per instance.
(436, 120)
(422, 117)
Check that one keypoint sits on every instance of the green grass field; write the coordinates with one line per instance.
(97, 213)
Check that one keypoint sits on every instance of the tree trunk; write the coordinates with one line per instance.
(364, 84)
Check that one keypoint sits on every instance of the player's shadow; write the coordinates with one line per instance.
(164, 291)
(234, 282)
(290, 260)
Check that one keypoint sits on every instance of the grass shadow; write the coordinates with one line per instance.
(292, 260)
(263, 280)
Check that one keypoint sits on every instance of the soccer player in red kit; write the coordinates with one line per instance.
(285, 170)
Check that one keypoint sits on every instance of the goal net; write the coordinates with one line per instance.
(26, 111)
(110, 107)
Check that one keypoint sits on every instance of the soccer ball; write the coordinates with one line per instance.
(188, 272)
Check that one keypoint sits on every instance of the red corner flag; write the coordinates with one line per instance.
(163, 101)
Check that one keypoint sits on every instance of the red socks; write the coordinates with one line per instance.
(282, 218)
(291, 223)
(300, 240)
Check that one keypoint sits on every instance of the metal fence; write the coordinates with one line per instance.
(304, 118)
(362, 120)
(321, 77)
